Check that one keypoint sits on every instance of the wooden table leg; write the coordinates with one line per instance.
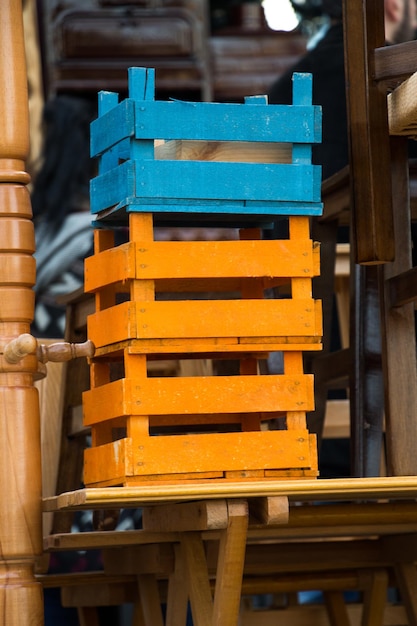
(224, 610)
(406, 575)
(375, 599)
(150, 601)
(21, 602)
(177, 599)
(197, 578)
(88, 616)
(336, 608)
(230, 566)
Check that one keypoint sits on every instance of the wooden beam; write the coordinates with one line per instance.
(372, 215)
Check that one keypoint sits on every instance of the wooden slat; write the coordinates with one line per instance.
(206, 348)
(142, 559)
(396, 62)
(94, 540)
(241, 151)
(82, 579)
(402, 288)
(395, 487)
(170, 455)
(278, 319)
(202, 395)
(335, 520)
(92, 595)
(309, 556)
(402, 110)
(270, 189)
(291, 583)
(172, 260)
(222, 122)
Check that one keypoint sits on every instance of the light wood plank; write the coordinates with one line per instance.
(402, 110)
(260, 152)
(270, 510)
(395, 487)
(203, 515)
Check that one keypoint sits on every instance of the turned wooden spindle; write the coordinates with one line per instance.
(58, 352)
(21, 598)
(64, 351)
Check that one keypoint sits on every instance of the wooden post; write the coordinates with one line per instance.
(21, 601)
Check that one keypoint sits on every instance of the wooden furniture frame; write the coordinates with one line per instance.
(242, 539)
(90, 46)
(380, 361)
(380, 183)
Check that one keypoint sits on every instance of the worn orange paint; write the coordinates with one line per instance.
(266, 450)
(204, 319)
(173, 260)
(201, 395)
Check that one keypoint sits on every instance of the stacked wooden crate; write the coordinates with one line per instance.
(156, 299)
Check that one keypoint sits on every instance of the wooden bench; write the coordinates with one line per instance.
(242, 539)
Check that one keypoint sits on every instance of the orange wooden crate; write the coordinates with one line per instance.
(147, 429)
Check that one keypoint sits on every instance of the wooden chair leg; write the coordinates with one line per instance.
(150, 600)
(230, 566)
(375, 599)
(406, 576)
(400, 364)
(177, 600)
(366, 389)
(137, 617)
(197, 578)
(224, 610)
(336, 608)
(88, 616)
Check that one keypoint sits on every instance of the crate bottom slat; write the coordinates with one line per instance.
(171, 456)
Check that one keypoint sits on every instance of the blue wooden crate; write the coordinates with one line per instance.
(131, 180)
